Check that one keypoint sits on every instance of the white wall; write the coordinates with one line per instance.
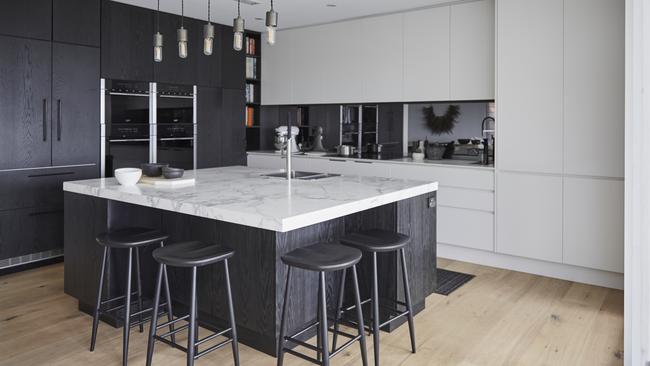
(637, 186)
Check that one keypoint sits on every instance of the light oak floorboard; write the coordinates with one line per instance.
(499, 318)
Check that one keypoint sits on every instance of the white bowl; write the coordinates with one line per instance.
(418, 156)
(128, 176)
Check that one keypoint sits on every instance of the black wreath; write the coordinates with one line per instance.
(441, 124)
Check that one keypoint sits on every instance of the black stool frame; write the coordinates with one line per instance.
(374, 303)
(127, 301)
(323, 353)
(192, 349)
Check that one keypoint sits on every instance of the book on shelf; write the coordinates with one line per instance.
(250, 93)
(251, 46)
(251, 68)
(250, 116)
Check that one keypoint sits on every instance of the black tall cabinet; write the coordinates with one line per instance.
(49, 115)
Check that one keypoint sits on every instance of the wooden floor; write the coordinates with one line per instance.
(499, 318)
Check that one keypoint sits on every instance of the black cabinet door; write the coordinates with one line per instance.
(25, 102)
(233, 63)
(127, 42)
(75, 104)
(26, 18)
(30, 230)
(76, 21)
(209, 127)
(233, 134)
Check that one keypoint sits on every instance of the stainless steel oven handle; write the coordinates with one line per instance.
(129, 140)
(176, 138)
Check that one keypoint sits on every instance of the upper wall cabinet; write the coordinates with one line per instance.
(342, 64)
(26, 18)
(530, 87)
(472, 51)
(309, 58)
(277, 70)
(426, 54)
(594, 74)
(76, 21)
(382, 58)
(127, 33)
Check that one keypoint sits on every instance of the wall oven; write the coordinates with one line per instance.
(147, 122)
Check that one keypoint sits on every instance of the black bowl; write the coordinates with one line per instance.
(153, 169)
(172, 173)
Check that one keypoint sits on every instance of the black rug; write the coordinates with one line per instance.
(450, 281)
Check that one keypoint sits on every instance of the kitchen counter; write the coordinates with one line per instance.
(242, 195)
(404, 160)
(261, 219)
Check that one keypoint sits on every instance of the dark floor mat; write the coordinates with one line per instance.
(449, 281)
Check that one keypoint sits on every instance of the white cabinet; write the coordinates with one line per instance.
(594, 83)
(530, 85)
(593, 223)
(341, 64)
(307, 58)
(466, 228)
(382, 58)
(529, 216)
(472, 50)
(426, 54)
(277, 70)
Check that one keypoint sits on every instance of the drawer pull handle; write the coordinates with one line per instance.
(338, 160)
(49, 174)
(41, 213)
(363, 162)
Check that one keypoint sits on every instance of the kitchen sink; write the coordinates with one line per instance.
(296, 174)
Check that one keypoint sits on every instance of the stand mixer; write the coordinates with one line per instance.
(280, 138)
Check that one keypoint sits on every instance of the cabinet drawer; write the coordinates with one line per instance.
(466, 198)
(446, 176)
(39, 187)
(30, 230)
(466, 228)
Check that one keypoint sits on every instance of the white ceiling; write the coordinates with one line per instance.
(292, 13)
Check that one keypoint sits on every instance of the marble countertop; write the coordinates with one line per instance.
(405, 160)
(242, 195)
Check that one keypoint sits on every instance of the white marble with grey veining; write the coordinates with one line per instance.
(241, 195)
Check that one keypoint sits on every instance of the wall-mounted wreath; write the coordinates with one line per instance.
(441, 124)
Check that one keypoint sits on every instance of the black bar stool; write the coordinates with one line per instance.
(380, 241)
(192, 255)
(322, 258)
(129, 238)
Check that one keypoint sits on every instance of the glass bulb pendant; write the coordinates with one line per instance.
(158, 47)
(271, 26)
(208, 39)
(238, 36)
(182, 42)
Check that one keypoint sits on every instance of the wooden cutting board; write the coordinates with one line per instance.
(169, 183)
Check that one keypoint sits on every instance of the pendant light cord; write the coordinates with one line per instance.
(271, 4)
(209, 11)
(158, 18)
(238, 13)
(182, 12)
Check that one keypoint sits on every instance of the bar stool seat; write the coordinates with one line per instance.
(131, 237)
(376, 240)
(322, 257)
(192, 254)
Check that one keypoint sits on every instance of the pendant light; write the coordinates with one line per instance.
(238, 29)
(182, 35)
(158, 39)
(208, 35)
(271, 25)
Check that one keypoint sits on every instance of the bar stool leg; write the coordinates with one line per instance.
(98, 303)
(127, 311)
(357, 302)
(318, 326)
(231, 312)
(375, 309)
(170, 314)
(283, 319)
(139, 283)
(407, 295)
(323, 321)
(154, 315)
(190, 338)
(339, 305)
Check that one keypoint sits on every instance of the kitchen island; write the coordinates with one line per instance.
(261, 218)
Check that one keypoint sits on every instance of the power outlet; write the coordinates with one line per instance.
(432, 202)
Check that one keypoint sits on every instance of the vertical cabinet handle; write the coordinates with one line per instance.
(58, 119)
(44, 119)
